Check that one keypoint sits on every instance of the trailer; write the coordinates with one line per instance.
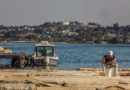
(18, 60)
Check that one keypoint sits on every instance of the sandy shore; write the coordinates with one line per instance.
(81, 79)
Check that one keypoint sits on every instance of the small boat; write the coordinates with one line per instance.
(44, 54)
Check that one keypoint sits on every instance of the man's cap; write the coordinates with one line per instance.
(110, 52)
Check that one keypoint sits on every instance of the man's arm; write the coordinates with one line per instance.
(114, 61)
(103, 61)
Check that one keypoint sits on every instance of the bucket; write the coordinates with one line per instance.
(109, 72)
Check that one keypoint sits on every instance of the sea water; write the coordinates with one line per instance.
(73, 56)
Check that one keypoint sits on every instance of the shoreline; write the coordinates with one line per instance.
(80, 79)
(75, 42)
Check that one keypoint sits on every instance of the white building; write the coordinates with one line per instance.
(66, 23)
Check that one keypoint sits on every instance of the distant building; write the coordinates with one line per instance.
(111, 35)
(1, 35)
(64, 23)
(25, 27)
(65, 31)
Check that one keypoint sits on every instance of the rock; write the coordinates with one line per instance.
(64, 84)
(27, 82)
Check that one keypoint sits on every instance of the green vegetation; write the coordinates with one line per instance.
(74, 32)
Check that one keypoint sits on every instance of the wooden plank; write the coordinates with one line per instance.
(11, 55)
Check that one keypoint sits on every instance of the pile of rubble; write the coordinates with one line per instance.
(5, 50)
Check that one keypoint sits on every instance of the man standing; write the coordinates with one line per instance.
(109, 61)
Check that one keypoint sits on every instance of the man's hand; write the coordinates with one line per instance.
(114, 62)
(109, 63)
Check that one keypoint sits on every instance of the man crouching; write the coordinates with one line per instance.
(109, 61)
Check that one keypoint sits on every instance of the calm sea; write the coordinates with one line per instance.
(73, 56)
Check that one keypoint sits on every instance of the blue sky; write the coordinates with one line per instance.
(35, 12)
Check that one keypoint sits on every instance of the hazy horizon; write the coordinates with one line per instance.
(35, 12)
